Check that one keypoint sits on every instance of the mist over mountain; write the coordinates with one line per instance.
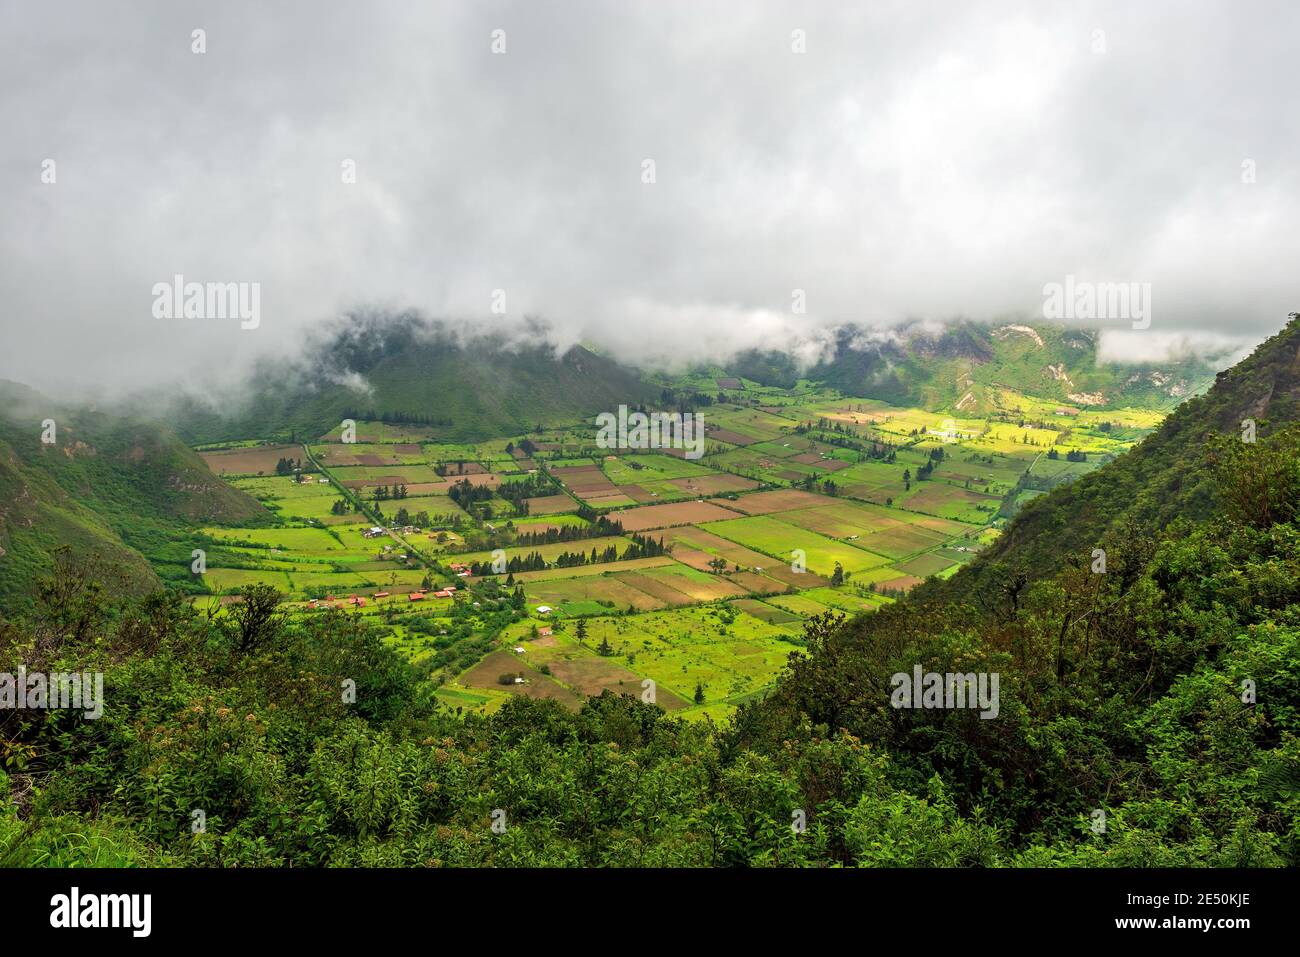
(1164, 478)
(468, 383)
(914, 161)
(118, 491)
(407, 368)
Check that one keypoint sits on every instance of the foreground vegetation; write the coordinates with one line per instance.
(1121, 693)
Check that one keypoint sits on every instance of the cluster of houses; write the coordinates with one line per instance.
(378, 531)
(333, 601)
(459, 569)
(448, 592)
(387, 554)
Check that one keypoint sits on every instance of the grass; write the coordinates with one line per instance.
(766, 534)
(652, 467)
(680, 648)
(304, 541)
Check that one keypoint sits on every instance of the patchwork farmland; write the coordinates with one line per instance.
(544, 566)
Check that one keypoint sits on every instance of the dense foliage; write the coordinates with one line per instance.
(1122, 692)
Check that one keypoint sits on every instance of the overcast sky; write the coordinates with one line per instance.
(917, 161)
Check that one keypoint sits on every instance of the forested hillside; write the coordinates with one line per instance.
(1144, 622)
(122, 489)
(1164, 478)
(407, 369)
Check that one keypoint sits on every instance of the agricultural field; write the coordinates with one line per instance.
(662, 516)
(367, 454)
(649, 468)
(551, 505)
(780, 541)
(357, 476)
(382, 433)
(689, 660)
(251, 460)
(630, 569)
(951, 502)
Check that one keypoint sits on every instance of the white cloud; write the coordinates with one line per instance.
(921, 160)
(1136, 347)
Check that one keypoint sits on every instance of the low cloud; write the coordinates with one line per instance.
(918, 161)
(1137, 347)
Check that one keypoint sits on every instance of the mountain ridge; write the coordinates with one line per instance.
(409, 368)
(1264, 386)
(127, 490)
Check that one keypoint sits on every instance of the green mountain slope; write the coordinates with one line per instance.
(966, 365)
(1160, 689)
(405, 368)
(1162, 478)
(125, 490)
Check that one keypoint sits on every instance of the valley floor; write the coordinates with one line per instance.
(805, 503)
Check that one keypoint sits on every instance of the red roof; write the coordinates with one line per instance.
(416, 596)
